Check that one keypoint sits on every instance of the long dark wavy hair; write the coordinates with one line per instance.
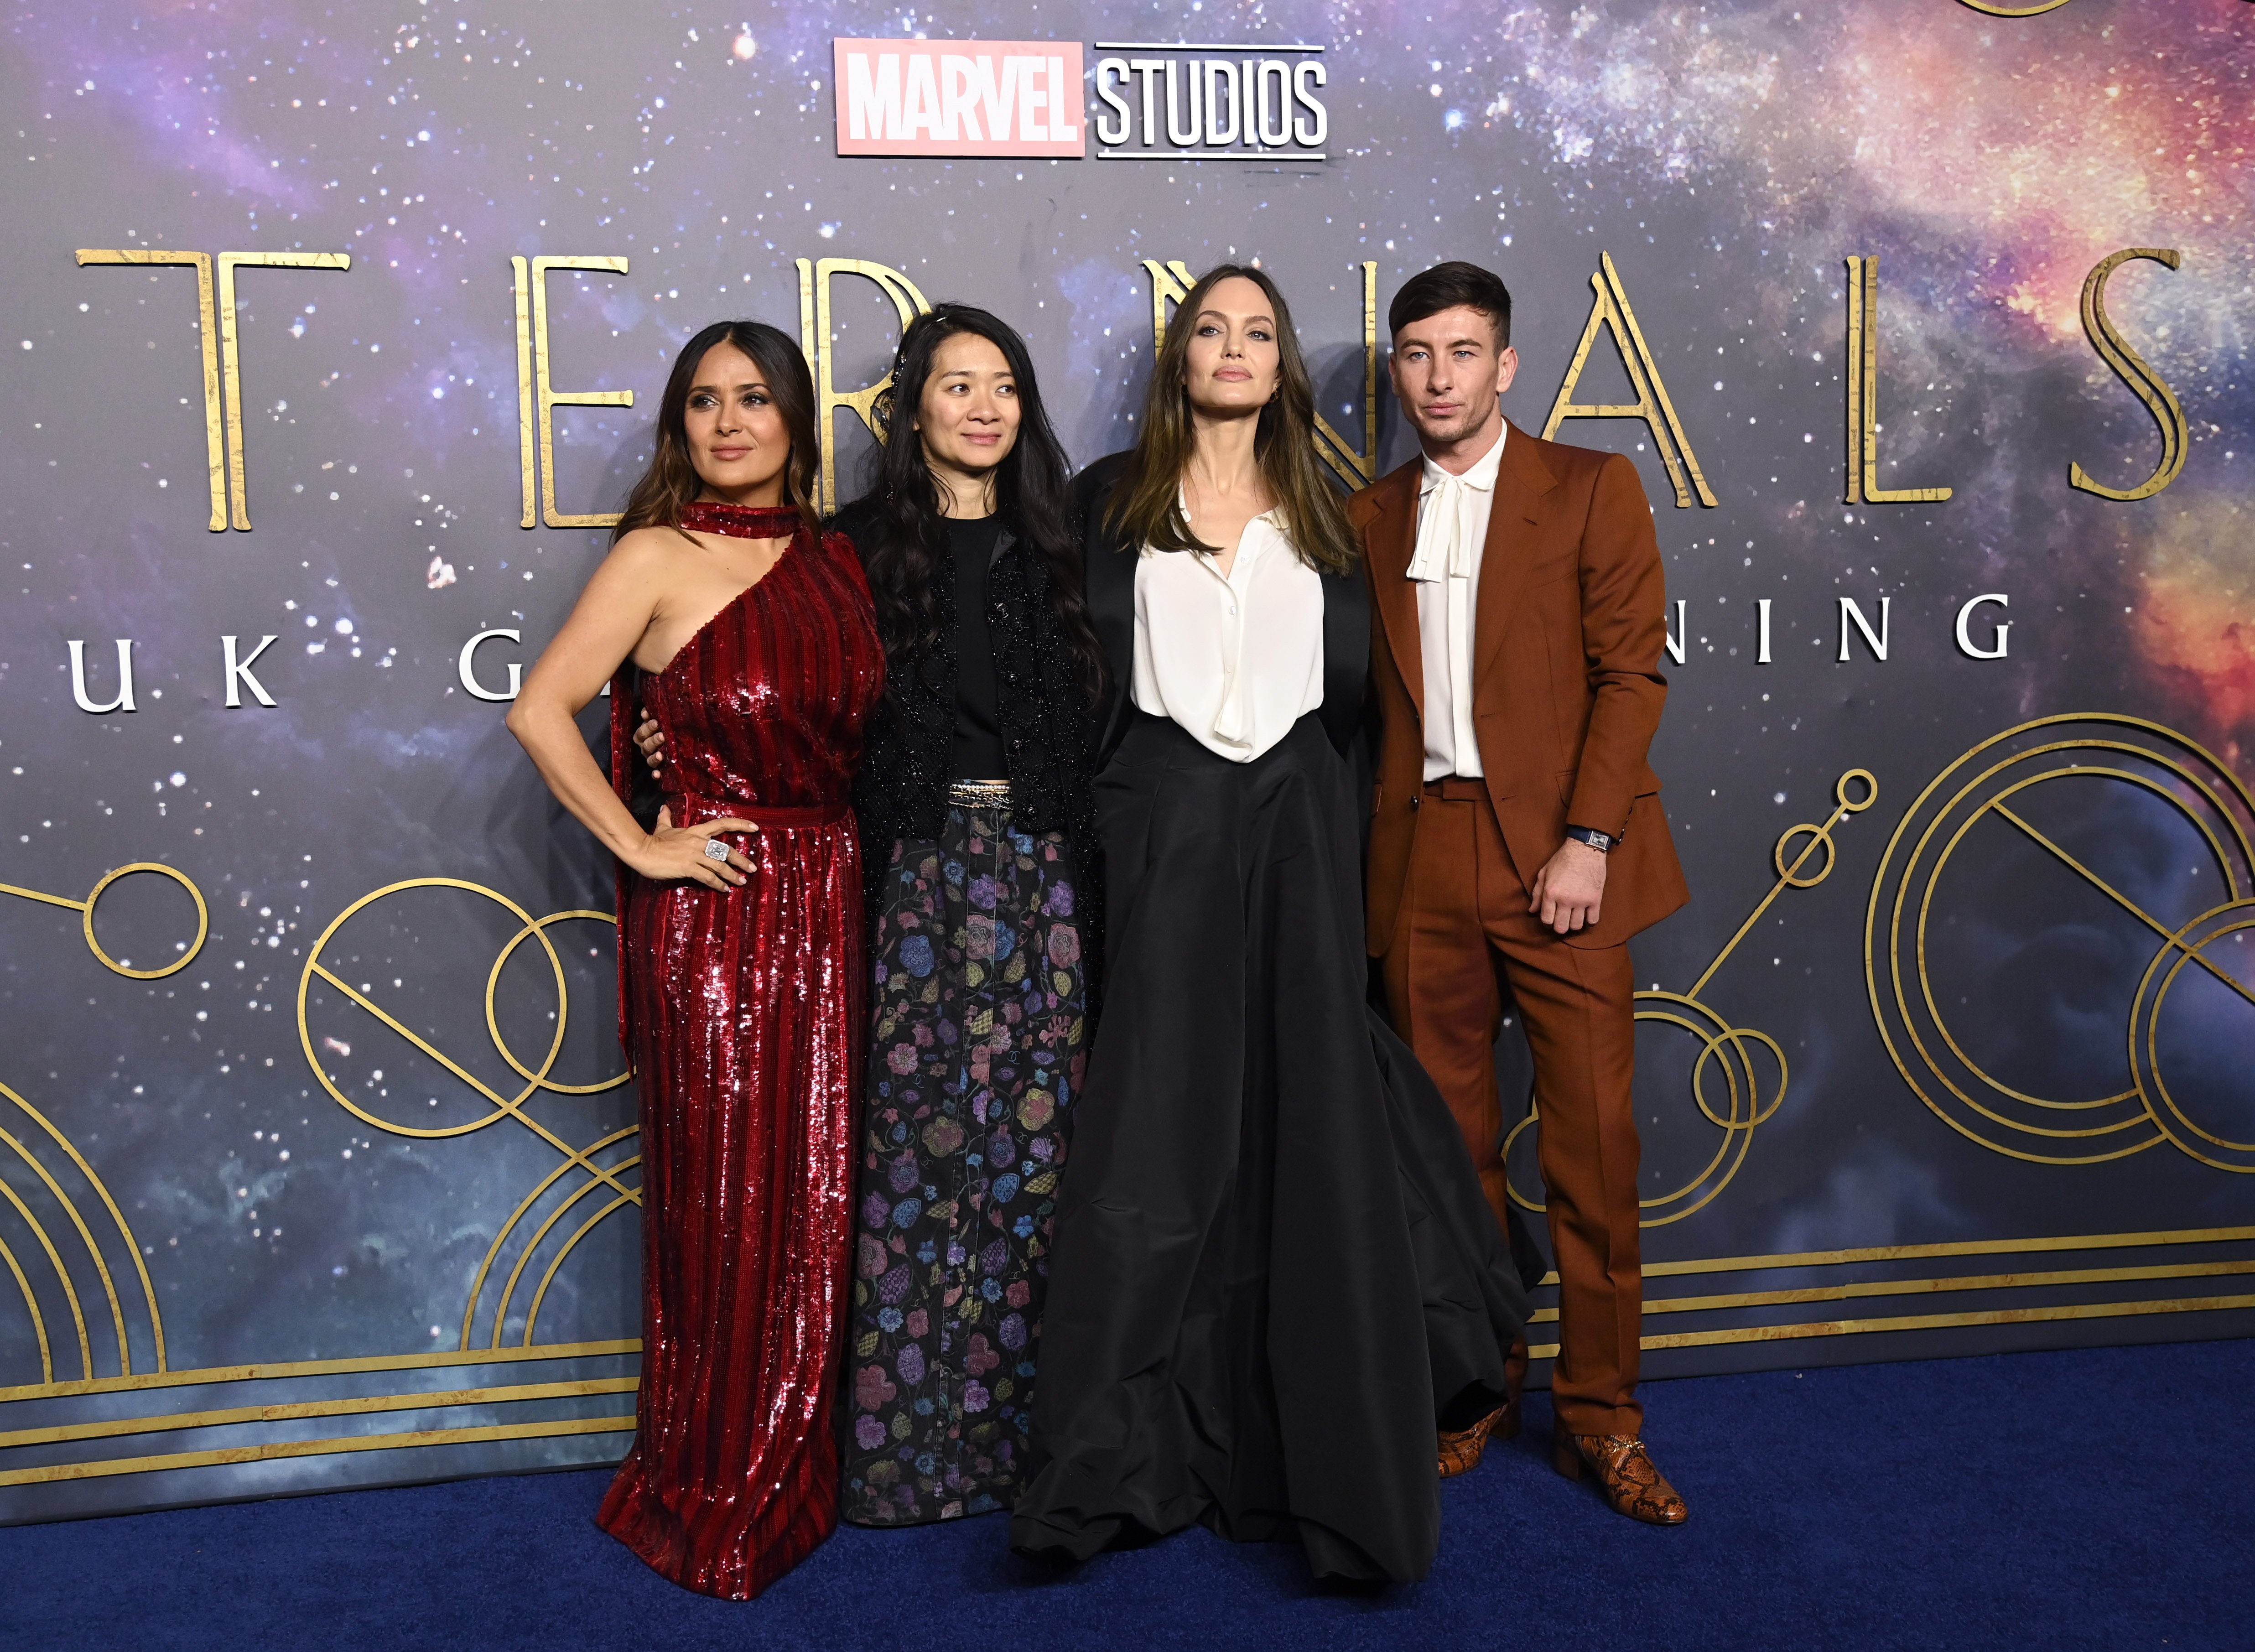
(909, 538)
(1147, 503)
(672, 480)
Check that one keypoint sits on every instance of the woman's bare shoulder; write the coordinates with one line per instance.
(647, 558)
(650, 545)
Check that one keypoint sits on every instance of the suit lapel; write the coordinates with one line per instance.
(1389, 542)
(1522, 480)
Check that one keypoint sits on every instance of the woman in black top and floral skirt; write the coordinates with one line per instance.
(975, 818)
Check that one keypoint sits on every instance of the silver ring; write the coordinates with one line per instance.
(715, 850)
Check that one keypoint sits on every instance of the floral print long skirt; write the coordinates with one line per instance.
(978, 1029)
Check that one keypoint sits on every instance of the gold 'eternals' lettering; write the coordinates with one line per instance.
(815, 337)
(231, 353)
(2132, 369)
(1609, 309)
(1170, 284)
(1358, 467)
(222, 358)
(538, 397)
(207, 333)
(1864, 393)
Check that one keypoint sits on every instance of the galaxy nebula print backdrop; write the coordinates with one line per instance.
(319, 1158)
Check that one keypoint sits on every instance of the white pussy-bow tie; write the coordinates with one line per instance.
(1448, 549)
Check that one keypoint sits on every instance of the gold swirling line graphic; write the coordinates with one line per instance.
(581, 1160)
(85, 910)
(93, 1250)
(1928, 1053)
(1721, 1043)
(22, 1149)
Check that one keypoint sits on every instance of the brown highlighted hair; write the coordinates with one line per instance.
(1146, 507)
(672, 480)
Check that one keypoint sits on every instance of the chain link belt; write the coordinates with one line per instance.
(968, 794)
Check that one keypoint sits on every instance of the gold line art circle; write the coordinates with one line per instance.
(203, 921)
(94, 1253)
(1718, 1032)
(1822, 835)
(579, 1158)
(540, 1235)
(1987, 8)
(501, 1107)
(582, 1159)
(1738, 1132)
(493, 1025)
(1926, 983)
(2142, 1115)
(532, 1315)
(2232, 919)
(2205, 795)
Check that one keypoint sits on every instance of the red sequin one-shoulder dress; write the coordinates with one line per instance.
(742, 1012)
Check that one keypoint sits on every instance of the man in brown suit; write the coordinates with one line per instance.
(1516, 836)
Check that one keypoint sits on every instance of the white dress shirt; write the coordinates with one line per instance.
(1452, 514)
(1236, 660)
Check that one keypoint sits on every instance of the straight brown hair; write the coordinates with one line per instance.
(671, 481)
(1146, 507)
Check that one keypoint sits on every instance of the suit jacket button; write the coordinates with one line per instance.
(1414, 800)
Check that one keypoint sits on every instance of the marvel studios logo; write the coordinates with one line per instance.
(1188, 103)
(1177, 102)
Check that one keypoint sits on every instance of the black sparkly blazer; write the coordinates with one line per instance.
(901, 790)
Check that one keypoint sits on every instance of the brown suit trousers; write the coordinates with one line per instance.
(1567, 693)
(1463, 931)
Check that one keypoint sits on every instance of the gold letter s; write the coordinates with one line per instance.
(2131, 367)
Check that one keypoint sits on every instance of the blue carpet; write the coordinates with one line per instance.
(2088, 1499)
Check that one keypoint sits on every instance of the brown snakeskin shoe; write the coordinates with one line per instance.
(1461, 1448)
(1625, 1473)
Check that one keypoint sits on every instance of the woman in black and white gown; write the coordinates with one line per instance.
(1275, 1278)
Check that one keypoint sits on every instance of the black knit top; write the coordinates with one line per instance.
(908, 749)
(972, 543)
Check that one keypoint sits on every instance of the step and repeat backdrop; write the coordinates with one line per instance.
(334, 336)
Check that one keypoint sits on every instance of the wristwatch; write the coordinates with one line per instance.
(1602, 842)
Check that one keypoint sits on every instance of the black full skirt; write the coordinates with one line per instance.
(1275, 1274)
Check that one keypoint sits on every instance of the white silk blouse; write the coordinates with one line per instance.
(1234, 659)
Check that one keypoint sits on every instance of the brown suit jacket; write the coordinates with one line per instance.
(1569, 621)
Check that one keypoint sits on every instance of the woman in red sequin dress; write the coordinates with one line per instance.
(748, 633)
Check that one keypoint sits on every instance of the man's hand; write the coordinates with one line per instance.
(1571, 887)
